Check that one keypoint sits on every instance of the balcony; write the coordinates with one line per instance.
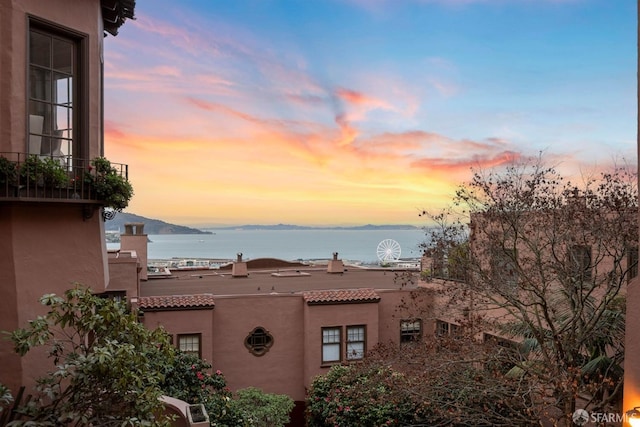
(67, 179)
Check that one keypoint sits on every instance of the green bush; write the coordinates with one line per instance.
(261, 409)
(110, 186)
(366, 396)
(43, 171)
(189, 378)
(106, 366)
(8, 171)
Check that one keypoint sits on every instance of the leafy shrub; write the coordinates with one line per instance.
(370, 396)
(110, 186)
(261, 409)
(189, 378)
(107, 367)
(8, 171)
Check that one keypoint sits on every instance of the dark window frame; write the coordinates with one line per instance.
(179, 338)
(349, 356)
(332, 343)
(580, 263)
(409, 335)
(79, 100)
(443, 328)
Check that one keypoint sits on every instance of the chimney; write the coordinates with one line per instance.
(335, 265)
(239, 268)
(134, 239)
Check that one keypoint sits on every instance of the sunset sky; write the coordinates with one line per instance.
(350, 112)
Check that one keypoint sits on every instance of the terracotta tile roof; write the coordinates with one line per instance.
(341, 296)
(180, 302)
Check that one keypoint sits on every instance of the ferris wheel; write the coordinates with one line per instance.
(388, 250)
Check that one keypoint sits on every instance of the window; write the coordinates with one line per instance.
(580, 263)
(190, 344)
(410, 330)
(632, 263)
(439, 262)
(446, 328)
(53, 92)
(355, 342)
(331, 344)
(505, 268)
(259, 341)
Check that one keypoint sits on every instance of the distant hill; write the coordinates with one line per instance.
(155, 226)
(151, 226)
(302, 227)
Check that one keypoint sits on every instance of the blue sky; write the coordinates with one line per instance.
(349, 112)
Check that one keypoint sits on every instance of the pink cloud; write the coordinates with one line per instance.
(465, 164)
(358, 98)
(111, 130)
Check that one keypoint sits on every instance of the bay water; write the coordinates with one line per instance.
(289, 245)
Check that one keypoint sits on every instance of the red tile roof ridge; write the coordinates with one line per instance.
(341, 296)
(176, 301)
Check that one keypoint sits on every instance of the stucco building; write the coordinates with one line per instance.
(51, 113)
(631, 404)
(275, 325)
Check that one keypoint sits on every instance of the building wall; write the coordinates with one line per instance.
(86, 19)
(46, 247)
(397, 305)
(280, 370)
(295, 357)
(177, 322)
(631, 395)
(124, 269)
(44, 250)
(318, 316)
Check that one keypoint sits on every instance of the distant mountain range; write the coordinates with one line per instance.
(155, 226)
(303, 227)
(151, 226)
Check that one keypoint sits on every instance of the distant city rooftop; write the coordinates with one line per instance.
(281, 278)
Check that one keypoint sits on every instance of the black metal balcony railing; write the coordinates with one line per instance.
(49, 178)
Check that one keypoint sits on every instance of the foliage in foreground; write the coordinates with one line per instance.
(111, 371)
(108, 367)
(544, 262)
(452, 381)
(191, 379)
(261, 409)
(367, 395)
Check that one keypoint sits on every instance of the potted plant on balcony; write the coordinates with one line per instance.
(43, 177)
(109, 184)
(30, 171)
(54, 174)
(8, 175)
